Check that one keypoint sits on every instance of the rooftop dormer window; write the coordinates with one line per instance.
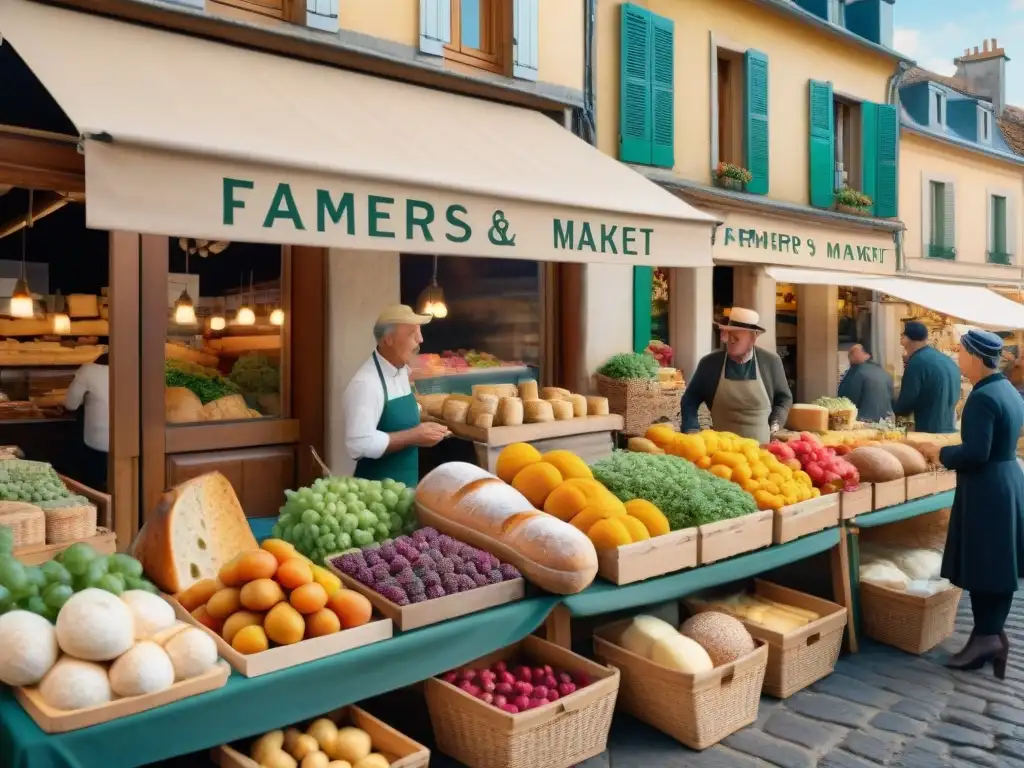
(938, 108)
(984, 126)
(837, 12)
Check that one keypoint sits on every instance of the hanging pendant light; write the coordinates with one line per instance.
(245, 314)
(218, 323)
(22, 304)
(184, 308)
(277, 317)
(61, 320)
(431, 299)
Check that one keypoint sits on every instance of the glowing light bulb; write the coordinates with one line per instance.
(218, 323)
(277, 317)
(246, 316)
(440, 310)
(61, 323)
(184, 310)
(22, 306)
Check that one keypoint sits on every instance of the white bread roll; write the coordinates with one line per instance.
(498, 390)
(432, 405)
(537, 412)
(528, 390)
(472, 505)
(455, 411)
(483, 404)
(554, 393)
(597, 406)
(579, 405)
(510, 412)
(562, 409)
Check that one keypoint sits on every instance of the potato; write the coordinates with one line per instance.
(351, 744)
(290, 737)
(325, 732)
(315, 760)
(279, 759)
(339, 764)
(304, 745)
(376, 760)
(265, 744)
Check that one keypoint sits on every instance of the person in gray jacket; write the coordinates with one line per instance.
(867, 386)
(743, 386)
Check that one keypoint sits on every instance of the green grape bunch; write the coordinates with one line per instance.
(30, 481)
(336, 514)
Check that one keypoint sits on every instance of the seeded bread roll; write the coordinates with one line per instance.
(579, 405)
(510, 412)
(537, 412)
(528, 390)
(472, 505)
(597, 406)
(562, 409)
(455, 411)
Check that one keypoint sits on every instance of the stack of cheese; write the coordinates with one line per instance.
(506, 405)
(770, 614)
(807, 418)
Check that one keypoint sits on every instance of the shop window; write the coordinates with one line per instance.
(479, 31)
(998, 252)
(659, 305)
(740, 116)
(730, 107)
(225, 320)
(848, 143)
(942, 224)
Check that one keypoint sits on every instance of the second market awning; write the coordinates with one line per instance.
(973, 304)
(188, 136)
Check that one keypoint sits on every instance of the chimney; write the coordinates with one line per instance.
(984, 72)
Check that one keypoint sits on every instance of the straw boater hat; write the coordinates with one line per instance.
(742, 319)
(401, 314)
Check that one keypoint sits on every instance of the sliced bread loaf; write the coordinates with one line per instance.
(197, 527)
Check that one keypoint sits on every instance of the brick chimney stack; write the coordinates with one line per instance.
(985, 72)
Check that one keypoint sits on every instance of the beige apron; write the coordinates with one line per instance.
(742, 407)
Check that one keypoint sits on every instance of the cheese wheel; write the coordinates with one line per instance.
(579, 405)
(528, 390)
(537, 411)
(483, 420)
(510, 412)
(455, 411)
(553, 393)
(562, 409)
(597, 406)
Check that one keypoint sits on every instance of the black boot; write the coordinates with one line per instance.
(979, 651)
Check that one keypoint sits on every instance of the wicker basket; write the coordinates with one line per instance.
(926, 531)
(67, 524)
(26, 521)
(696, 710)
(909, 622)
(557, 735)
(640, 402)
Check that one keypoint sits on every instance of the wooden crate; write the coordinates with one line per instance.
(921, 485)
(646, 559)
(807, 517)
(890, 494)
(859, 502)
(717, 541)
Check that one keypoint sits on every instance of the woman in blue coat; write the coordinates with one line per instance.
(985, 542)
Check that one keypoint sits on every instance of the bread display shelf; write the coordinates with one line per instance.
(726, 538)
(238, 345)
(44, 327)
(52, 720)
(189, 355)
(104, 542)
(399, 749)
(859, 502)
(284, 656)
(12, 357)
(528, 433)
(416, 615)
(675, 551)
(804, 518)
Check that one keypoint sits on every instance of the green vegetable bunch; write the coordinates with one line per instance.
(44, 589)
(630, 365)
(835, 403)
(206, 383)
(688, 496)
(339, 513)
(256, 374)
(31, 481)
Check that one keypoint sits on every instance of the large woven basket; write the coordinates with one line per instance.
(926, 531)
(640, 402)
(73, 523)
(697, 710)
(911, 623)
(26, 521)
(558, 735)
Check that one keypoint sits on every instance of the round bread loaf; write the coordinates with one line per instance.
(722, 636)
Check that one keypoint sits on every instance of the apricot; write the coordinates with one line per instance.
(281, 550)
(323, 622)
(352, 608)
(294, 573)
(251, 639)
(261, 594)
(224, 602)
(198, 594)
(284, 625)
(256, 564)
(309, 598)
(203, 616)
(238, 621)
(228, 574)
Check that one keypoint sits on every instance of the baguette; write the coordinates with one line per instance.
(472, 505)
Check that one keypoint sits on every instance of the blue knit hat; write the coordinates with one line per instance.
(984, 345)
(915, 331)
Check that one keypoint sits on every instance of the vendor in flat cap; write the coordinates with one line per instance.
(930, 388)
(744, 386)
(985, 541)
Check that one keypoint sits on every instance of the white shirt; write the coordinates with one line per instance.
(363, 404)
(92, 384)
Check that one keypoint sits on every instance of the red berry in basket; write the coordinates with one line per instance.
(506, 677)
(524, 674)
(582, 679)
(523, 689)
(501, 666)
(540, 692)
(535, 702)
(486, 674)
(566, 688)
(469, 674)
(512, 709)
(499, 701)
(487, 698)
(564, 677)
(488, 686)
(521, 702)
(450, 677)
(503, 688)
(538, 676)
(548, 670)
(553, 695)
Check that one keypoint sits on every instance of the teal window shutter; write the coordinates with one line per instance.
(755, 134)
(822, 144)
(663, 91)
(869, 150)
(525, 59)
(937, 192)
(886, 195)
(643, 287)
(999, 224)
(949, 218)
(635, 130)
(435, 26)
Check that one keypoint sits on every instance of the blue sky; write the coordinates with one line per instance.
(934, 32)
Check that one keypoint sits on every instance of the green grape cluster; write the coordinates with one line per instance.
(336, 514)
(30, 481)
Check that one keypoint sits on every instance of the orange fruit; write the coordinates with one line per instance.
(323, 622)
(261, 595)
(284, 625)
(251, 639)
(228, 574)
(294, 573)
(257, 564)
(309, 598)
(352, 608)
(198, 594)
(282, 550)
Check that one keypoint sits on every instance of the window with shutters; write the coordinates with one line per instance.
(479, 34)
(848, 143)
(941, 220)
(998, 251)
(938, 109)
(730, 107)
(647, 88)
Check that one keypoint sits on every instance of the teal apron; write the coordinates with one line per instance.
(399, 414)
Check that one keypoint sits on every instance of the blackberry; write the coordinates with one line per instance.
(395, 594)
(365, 576)
(432, 578)
(509, 572)
(415, 587)
(390, 581)
(398, 564)
(372, 557)
(381, 571)
(466, 583)
(405, 577)
(467, 552)
(421, 534)
(351, 563)
(417, 597)
(423, 546)
(449, 545)
(435, 554)
(470, 569)
(480, 580)
(426, 561)
(483, 562)
(494, 576)
(430, 533)
(445, 565)
(435, 591)
(450, 582)
(387, 551)
(459, 566)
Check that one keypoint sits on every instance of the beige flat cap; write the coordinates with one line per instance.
(401, 314)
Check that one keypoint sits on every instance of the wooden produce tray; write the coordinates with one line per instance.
(921, 485)
(399, 749)
(104, 542)
(890, 493)
(528, 433)
(104, 503)
(438, 609)
(804, 518)
(646, 559)
(945, 480)
(717, 541)
(282, 657)
(859, 502)
(52, 720)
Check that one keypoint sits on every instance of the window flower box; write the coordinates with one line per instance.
(728, 176)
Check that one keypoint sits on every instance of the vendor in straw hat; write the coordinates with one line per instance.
(744, 386)
(383, 432)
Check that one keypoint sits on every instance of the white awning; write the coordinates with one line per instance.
(193, 137)
(973, 304)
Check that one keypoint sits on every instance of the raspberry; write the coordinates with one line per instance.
(381, 571)
(372, 557)
(445, 565)
(495, 577)
(415, 587)
(435, 591)
(423, 546)
(406, 577)
(430, 533)
(395, 594)
(351, 563)
(365, 576)
(466, 583)
(387, 551)
(509, 572)
(421, 534)
(426, 561)
(480, 580)
(470, 569)
(459, 566)
(417, 597)
(398, 564)
(467, 552)
(450, 582)
(435, 554)
(434, 578)
(483, 562)
(448, 545)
